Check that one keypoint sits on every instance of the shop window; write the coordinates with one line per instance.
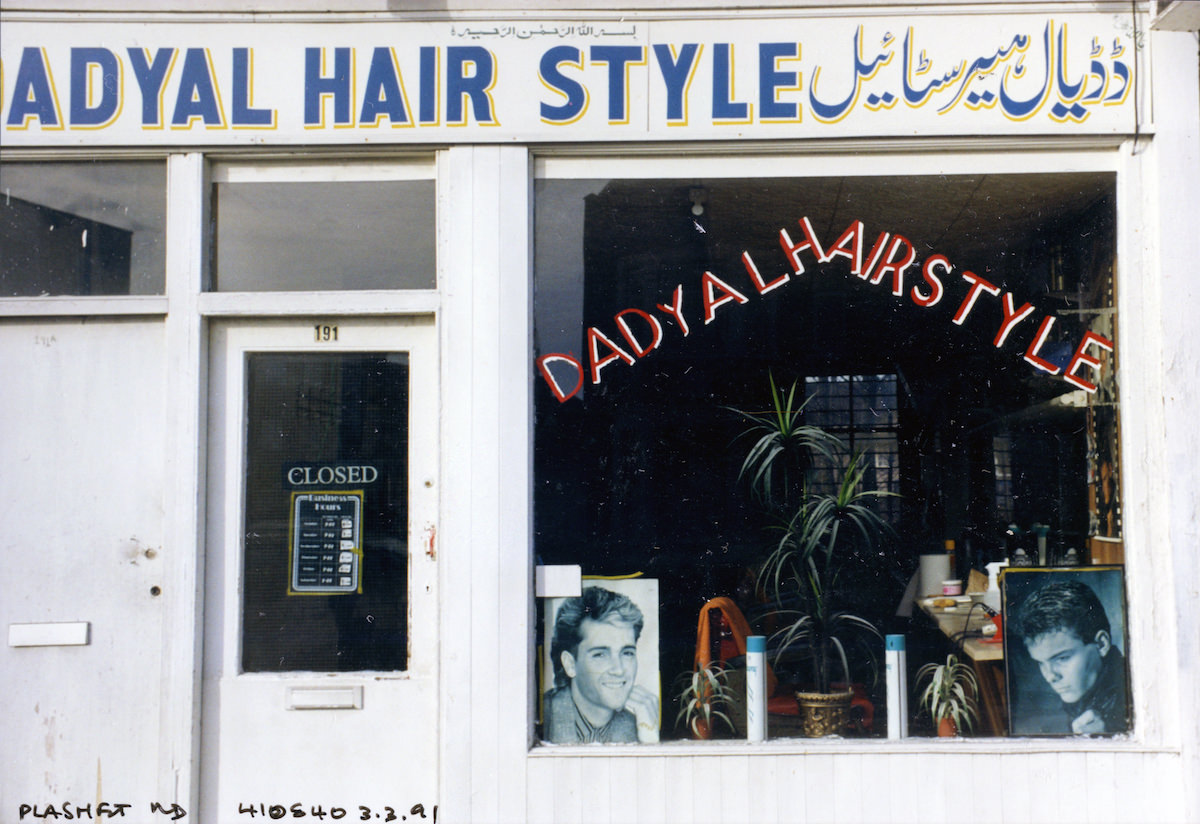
(88, 228)
(290, 229)
(957, 333)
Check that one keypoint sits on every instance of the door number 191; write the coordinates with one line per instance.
(325, 333)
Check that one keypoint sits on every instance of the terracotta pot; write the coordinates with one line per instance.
(823, 714)
(946, 728)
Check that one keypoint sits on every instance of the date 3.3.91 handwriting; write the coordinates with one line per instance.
(276, 812)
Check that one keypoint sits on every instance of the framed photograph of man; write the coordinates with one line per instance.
(600, 677)
(1065, 650)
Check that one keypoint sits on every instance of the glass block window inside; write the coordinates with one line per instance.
(862, 410)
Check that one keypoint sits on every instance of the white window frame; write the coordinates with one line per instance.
(91, 305)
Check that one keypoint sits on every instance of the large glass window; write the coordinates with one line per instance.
(88, 228)
(953, 339)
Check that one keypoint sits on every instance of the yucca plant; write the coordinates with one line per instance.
(951, 695)
(704, 699)
(825, 537)
(821, 536)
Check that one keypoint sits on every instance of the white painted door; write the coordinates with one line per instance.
(320, 678)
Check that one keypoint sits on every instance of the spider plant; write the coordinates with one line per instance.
(951, 694)
(705, 696)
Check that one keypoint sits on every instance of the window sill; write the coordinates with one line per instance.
(364, 302)
(846, 746)
(77, 306)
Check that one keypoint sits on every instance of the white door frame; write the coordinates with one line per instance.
(340, 718)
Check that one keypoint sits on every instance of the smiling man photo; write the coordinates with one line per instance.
(594, 655)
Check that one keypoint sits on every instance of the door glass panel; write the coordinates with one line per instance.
(274, 236)
(325, 573)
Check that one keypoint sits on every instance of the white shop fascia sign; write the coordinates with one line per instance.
(239, 83)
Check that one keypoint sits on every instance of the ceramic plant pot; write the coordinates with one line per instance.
(823, 714)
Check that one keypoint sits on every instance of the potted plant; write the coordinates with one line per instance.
(707, 700)
(951, 696)
(823, 535)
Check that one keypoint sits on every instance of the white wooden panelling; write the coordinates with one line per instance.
(623, 788)
(183, 490)
(513, 473)
(1177, 159)
(1043, 783)
(1143, 489)
(539, 807)
(458, 512)
(734, 780)
(1101, 783)
(1163, 775)
(596, 802)
(878, 803)
(567, 790)
(940, 785)
(685, 800)
(651, 789)
(1074, 781)
(761, 784)
(789, 792)
(909, 795)
(966, 776)
(483, 254)
(1013, 772)
(487, 644)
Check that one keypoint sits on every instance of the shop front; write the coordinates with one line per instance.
(489, 414)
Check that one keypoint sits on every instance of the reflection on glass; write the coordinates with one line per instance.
(91, 228)
(663, 305)
(304, 236)
(326, 441)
